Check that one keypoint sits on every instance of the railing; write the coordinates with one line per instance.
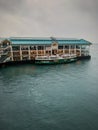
(5, 55)
(4, 58)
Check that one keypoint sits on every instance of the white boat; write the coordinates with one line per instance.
(55, 59)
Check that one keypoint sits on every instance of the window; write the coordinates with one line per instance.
(15, 48)
(72, 46)
(40, 47)
(77, 46)
(60, 47)
(32, 47)
(24, 48)
(66, 47)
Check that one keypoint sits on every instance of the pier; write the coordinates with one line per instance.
(26, 49)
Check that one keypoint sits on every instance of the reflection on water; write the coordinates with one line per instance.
(61, 97)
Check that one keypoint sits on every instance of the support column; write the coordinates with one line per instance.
(37, 50)
(75, 49)
(69, 49)
(20, 53)
(63, 49)
(44, 51)
(29, 52)
(57, 49)
(80, 50)
(51, 50)
(11, 53)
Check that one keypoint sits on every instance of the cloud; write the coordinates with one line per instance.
(10, 6)
(89, 7)
(67, 18)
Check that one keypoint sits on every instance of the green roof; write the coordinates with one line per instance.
(46, 41)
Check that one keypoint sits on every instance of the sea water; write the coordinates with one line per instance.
(52, 97)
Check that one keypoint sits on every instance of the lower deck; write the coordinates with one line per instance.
(20, 53)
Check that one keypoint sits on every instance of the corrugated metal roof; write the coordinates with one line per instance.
(46, 40)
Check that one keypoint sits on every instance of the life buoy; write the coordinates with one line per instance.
(39, 52)
(32, 52)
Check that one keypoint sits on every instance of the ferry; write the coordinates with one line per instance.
(55, 59)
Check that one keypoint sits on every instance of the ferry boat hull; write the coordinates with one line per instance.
(55, 61)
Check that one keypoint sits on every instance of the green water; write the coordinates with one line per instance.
(55, 97)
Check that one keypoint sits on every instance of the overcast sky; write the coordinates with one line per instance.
(58, 18)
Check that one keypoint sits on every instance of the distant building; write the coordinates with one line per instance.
(15, 49)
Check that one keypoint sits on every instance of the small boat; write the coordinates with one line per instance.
(55, 59)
